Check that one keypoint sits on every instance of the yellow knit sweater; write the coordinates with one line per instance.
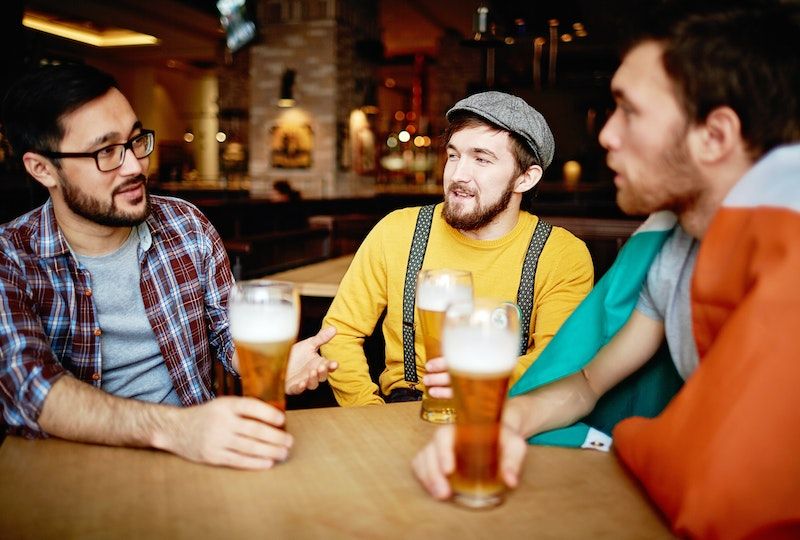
(375, 280)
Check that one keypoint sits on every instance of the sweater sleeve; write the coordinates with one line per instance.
(564, 276)
(354, 312)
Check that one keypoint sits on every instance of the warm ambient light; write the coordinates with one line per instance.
(572, 173)
(285, 102)
(113, 37)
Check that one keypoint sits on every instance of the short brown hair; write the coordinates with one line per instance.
(742, 56)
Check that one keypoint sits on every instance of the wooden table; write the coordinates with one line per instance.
(319, 279)
(348, 477)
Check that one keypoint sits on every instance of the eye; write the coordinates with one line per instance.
(140, 141)
(108, 151)
(480, 159)
(451, 156)
(626, 109)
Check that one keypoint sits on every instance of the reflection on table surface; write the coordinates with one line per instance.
(319, 279)
(349, 476)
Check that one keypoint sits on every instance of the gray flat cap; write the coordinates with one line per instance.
(515, 115)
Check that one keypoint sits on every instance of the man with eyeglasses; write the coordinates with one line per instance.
(112, 301)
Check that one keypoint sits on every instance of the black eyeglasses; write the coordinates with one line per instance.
(112, 156)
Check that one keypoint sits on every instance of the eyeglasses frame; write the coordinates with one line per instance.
(128, 145)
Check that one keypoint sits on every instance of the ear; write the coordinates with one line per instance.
(41, 169)
(528, 179)
(717, 137)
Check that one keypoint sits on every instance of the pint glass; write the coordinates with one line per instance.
(264, 319)
(480, 342)
(436, 290)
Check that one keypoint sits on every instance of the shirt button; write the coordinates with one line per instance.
(97, 331)
(95, 376)
(87, 292)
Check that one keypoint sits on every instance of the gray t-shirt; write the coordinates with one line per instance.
(665, 297)
(132, 364)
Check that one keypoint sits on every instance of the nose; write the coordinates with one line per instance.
(460, 170)
(131, 165)
(609, 135)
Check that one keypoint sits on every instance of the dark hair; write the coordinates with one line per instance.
(746, 57)
(35, 105)
(524, 158)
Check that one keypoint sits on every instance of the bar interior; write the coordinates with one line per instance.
(296, 126)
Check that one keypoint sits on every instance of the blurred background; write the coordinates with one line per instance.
(334, 97)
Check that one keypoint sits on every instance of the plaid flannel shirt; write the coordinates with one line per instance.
(48, 320)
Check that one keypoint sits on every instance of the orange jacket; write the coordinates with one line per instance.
(723, 459)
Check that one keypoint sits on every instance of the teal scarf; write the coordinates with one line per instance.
(595, 321)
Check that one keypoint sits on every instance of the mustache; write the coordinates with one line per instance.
(458, 186)
(133, 182)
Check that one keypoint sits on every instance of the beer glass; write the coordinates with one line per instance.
(264, 319)
(436, 290)
(480, 342)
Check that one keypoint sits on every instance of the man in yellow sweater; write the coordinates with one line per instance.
(497, 149)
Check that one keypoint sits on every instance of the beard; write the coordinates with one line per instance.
(480, 216)
(678, 186)
(105, 213)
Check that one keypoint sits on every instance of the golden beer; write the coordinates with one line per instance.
(480, 343)
(264, 319)
(262, 366)
(436, 290)
(479, 400)
(436, 410)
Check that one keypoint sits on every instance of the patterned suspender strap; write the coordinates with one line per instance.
(415, 257)
(526, 281)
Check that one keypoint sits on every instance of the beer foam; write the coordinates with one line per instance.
(258, 323)
(433, 297)
(480, 351)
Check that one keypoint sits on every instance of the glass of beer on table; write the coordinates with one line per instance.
(436, 290)
(264, 317)
(480, 342)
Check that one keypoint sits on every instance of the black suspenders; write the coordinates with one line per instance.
(415, 257)
(526, 280)
(417, 254)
